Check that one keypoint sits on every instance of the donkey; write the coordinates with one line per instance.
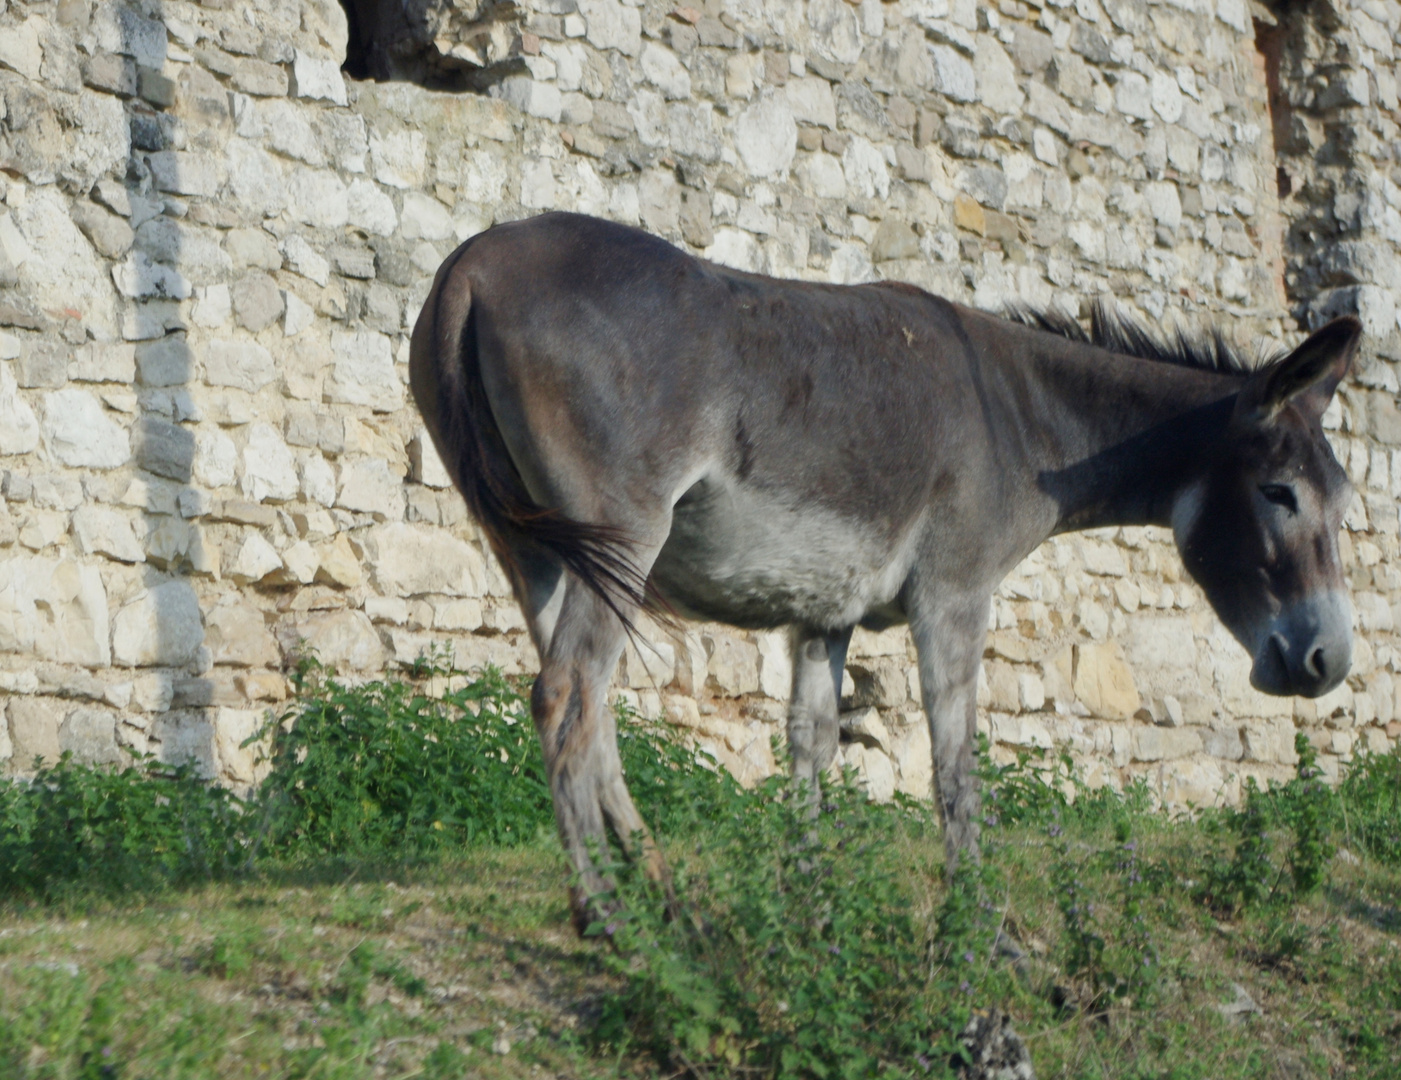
(635, 427)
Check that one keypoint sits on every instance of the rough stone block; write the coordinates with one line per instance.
(1103, 682)
(34, 724)
(161, 627)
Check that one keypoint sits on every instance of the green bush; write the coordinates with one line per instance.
(1370, 805)
(382, 770)
(387, 769)
(799, 953)
(145, 826)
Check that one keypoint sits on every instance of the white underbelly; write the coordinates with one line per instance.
(735, 556)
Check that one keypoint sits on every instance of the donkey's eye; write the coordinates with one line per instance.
(1281, 495)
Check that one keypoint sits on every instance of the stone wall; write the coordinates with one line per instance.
(213, 245)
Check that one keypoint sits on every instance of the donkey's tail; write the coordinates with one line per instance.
(470, 444)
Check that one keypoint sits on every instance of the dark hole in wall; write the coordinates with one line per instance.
(1269, 43)
(390, 40)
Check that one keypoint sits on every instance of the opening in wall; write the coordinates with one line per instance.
(454, 45)
(1269, 45)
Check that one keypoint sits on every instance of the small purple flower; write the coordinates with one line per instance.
(924, 1062)
(835, 950)
(965, 987)
(1054, 830)
(611, 928)
(968, 957)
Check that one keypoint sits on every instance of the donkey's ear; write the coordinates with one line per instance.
(1307, 377)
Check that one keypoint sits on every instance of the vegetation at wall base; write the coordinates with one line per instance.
(390, 902)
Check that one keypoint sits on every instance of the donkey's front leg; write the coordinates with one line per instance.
(949, 639)
(819, 657)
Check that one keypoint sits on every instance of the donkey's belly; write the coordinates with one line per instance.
(754, 560)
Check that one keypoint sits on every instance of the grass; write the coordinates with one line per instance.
(151, 928)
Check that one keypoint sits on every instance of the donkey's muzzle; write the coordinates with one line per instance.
(1308, 650)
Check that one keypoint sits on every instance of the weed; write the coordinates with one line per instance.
(799, 953)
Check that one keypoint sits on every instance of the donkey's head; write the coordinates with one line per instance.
(1259, 528)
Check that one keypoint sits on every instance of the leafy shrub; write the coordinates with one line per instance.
(1370, 798)
(145, 826)
(1299, 816)
(799, 953)
(385, 768)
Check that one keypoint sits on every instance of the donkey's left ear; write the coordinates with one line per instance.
(1307, 377)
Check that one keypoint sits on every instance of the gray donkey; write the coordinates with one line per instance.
(633, 426)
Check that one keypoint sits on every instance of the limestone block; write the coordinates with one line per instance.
(732, 664)
(165, 449)
(836, 30)
(109, 234)
(316, 78)
(90, 735)
(55, 259)
(611, 25)
(399, 158)
(256, 179)
(649, 664)
(1269, 741)
(184, 172)
(257, 301)
(187, 738)
(216, 458)
(1103, 682)
(78, 431)
(34, 724)
(912, 753)
(1159, 743)
(775, 665)
(53, 609)
(20, 49)
(953, 75)
(19, 429)
(864, 167)
(232, 728)
(368, 485)
(163, 362)
(533, 98)
(269, 466)
(766, 136)
(256, 559)
(245, 365)
(101, 530)
(237, 634)
(1003, 692)
(363, 372)
(346, 640)
(302, 258)
(996, 76)
(160, 627)
(318, 197)
(337, 563)
(426, 467)
(1031, 692)
(811, 101)
(460, 615)
(369, 208)
(424, 217)
(661, 67)
(874, 770)
(1020, 731)
(318, 479)
(406, 560)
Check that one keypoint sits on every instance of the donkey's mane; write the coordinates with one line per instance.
(1204, 348)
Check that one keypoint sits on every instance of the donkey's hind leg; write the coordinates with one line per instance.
(580, 640)
(819, 658)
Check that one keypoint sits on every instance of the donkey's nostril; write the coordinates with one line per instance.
(1316, 664)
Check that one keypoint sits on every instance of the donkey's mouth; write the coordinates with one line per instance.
(1304, 654)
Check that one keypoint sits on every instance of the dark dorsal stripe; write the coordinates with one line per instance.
(1204, 348)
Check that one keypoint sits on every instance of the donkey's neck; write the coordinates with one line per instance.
(1129, 436)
